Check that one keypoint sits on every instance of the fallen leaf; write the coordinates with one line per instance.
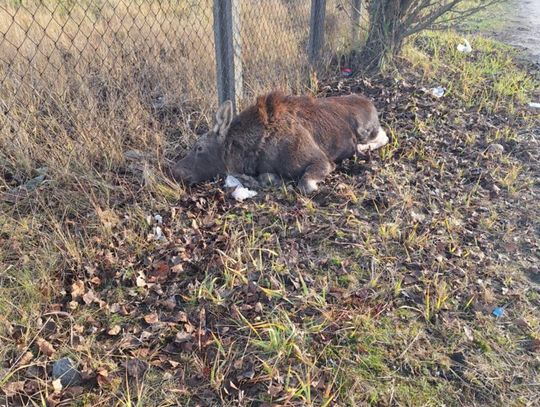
(146, 335)
(89, 297)
(159, 272)
(141, 280)
(102, 377)
(180, 316)
(151, 318)
(115, 330)
(102, 371)
(26, 358)
(182, 337)
(169, 303)
(115, 308)
(136, 367)
(77, 289)
(177, 268)
(13, 388)
(274, 390)
(45, 347)
(57, 385)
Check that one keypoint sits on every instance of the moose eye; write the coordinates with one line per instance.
(199, 149)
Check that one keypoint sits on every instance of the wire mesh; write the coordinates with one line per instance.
(274, 37)
(136, 69)
(152, 45)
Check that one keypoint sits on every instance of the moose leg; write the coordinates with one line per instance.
(314, 173)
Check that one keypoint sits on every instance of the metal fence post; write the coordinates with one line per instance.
(228, 50)
(355, 20)
(316, 29)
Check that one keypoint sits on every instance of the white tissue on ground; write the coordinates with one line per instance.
(535, 105)
(464, 47)
(240, 193)
(232, 182)
(438, 91)
(157, 234)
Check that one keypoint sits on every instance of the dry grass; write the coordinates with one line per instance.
(378, 291)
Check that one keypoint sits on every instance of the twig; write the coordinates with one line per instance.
(409, 346)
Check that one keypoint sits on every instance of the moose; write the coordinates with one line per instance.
(299, 138)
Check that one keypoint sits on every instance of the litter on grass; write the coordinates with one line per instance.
(466, 47)
(232, 182)
(535, 105)
(498, 312)
(438, 92)
(158, 234)
(346, 72)
(240, 193)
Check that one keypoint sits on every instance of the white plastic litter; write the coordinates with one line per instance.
(232, 182)
(240, 193)
(465, 47)
(438, 92)
(157, 234)
(535, 105)
(158, 218)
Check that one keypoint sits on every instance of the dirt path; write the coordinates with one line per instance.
(522, 27)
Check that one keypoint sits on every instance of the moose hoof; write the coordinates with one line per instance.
(378, 142)
(307, 187)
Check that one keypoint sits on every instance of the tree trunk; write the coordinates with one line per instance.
(385, 36)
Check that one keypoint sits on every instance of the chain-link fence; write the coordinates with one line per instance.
(132, 67)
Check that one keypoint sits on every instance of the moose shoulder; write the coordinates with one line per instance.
(292, 137)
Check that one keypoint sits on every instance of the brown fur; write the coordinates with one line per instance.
(295, 137)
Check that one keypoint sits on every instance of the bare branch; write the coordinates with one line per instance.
(450, 7)
(462, 14)
(430, 19)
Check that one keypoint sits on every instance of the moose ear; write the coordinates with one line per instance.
(224, 117)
